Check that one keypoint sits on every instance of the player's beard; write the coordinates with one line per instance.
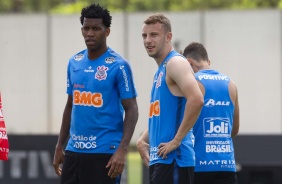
(154, 53)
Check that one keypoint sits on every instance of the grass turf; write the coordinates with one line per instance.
(134, 168)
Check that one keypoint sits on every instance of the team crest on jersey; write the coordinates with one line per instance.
(159, 80)
(110, 60)
(101, 73)
(78, 57)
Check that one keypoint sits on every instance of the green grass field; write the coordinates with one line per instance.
(134, 171)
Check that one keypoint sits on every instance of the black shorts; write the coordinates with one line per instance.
(170, 174)
(86, 168)
(219, 177)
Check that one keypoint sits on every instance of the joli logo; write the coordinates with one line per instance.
(222, 128)
(216, 127)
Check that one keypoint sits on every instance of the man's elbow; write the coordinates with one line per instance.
(199, 102)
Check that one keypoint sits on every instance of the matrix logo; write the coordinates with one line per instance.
(216, 127)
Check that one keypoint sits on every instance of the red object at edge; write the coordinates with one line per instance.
(4, 143)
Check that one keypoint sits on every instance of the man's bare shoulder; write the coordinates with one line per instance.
(232, 86)
(178, 58)
(178, 63)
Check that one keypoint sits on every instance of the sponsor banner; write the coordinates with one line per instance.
(30, 161)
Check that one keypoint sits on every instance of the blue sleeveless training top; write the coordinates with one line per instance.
(166, 114)
(213, 143)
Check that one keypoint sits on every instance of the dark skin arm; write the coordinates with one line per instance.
(117, 161)
(63, 137)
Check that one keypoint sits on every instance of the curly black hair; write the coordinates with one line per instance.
(96, 11)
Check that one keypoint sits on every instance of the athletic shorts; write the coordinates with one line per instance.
(86, 168)
(170, 174)
(219, 177)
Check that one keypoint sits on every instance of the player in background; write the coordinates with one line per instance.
(218, 121)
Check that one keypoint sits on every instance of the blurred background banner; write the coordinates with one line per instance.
(30, 160)
(259, 159)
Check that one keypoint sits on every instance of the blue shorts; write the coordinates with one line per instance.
(86, 168)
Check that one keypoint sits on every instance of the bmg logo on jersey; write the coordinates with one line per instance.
(85, 98)
(216, 127)
(154, 109)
